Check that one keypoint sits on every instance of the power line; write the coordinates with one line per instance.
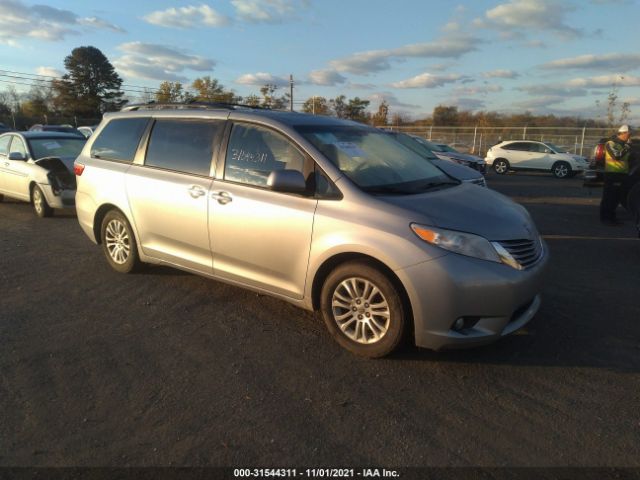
(62, 79)
(34, 83)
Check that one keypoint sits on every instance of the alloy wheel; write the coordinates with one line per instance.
(117, 241)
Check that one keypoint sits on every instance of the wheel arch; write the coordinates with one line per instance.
(99, 217)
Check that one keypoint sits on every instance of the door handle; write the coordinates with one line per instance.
(195, 191)
(222, 197)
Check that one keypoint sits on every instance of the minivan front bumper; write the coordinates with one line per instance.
(489, 300)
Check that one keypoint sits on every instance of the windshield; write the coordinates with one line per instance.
(413, 144)
(447, 148)
(374, 160)
(555, 149)
(56, 147)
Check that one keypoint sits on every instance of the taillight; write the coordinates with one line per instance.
(598, 154)
(78, 168)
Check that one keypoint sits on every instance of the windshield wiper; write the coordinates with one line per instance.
(389, 189)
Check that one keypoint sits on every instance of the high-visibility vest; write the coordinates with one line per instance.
(616, 165)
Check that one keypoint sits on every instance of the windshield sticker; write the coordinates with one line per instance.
(51, 145)
(351, 149)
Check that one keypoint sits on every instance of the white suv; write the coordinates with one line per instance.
(530, 155)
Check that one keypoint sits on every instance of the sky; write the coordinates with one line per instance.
(510, 56)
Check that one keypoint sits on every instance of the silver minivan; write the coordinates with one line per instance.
(330, 215)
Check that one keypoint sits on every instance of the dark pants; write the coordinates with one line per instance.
(611, 194)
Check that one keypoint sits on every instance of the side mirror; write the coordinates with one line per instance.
(286, 181)
(17, 156)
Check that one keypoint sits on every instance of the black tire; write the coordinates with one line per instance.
(561, 170)
(119, 243)
(501, 166)
(39, 202)
(352, 282)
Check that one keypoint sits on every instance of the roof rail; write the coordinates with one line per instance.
(152, 105)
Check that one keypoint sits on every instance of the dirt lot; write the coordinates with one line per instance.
(167, 368)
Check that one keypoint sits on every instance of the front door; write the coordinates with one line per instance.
(260, 237)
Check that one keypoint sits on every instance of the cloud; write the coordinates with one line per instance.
(267, 11)
(501, 74)
(42, 22)
(428, 80)
(187, 17)
(557, 90)
(467, 104)
(371, 61)
(481, 90)
(540, 102)
(618, 62)
(158, 62)
(393, 102)
(48, 72)
(518, 16)
(605, 81)
(326, 78)
(262, 78)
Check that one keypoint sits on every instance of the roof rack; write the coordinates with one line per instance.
(153, 105)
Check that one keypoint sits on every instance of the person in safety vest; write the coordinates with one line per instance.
(617, 152)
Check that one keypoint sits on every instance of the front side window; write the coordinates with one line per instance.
(17, 146)
(374, 160)
(119, 139)
(56, 147)
(183, 145)
(254, 152)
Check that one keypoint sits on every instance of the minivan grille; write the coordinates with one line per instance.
(526, 252)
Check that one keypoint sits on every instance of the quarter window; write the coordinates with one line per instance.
(254, 152)
(119, 139)
(184, 146)
(4, 144)
(518, 146)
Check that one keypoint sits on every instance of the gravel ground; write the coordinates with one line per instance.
(167, 368)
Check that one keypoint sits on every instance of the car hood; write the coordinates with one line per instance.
(461, 156)
(467, 208)
(457, 171)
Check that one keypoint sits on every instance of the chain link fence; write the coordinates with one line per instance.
(478, 140)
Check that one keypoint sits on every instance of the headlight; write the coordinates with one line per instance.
(457, 242)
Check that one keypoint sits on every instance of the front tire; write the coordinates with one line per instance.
(40, 205)
(561, 170)
(362, 309)
(119, 243)
(501, 166)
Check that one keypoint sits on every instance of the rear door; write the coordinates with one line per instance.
(518, 154)
(5, 141)
(168, 194)
(260, 237)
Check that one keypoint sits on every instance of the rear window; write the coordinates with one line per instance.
(119, 139)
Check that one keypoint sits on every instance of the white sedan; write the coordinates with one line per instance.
(37, 167)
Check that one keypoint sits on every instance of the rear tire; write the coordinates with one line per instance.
(561, 170)
(500, 166)
(39, 201)
(118, 243)
(362, 309)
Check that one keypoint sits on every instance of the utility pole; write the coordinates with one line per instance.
(290, 92)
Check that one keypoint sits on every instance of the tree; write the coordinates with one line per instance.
(210, 90)
(356, 109)
(170, 92)
(380, 117)
(252, 101)
(445, 116)
(317, 106)
(37, 104)
(270, 100)
(339, 106)
(91, 86)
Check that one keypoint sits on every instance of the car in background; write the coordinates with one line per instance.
(445, 152)
(534, 156)
(455, 170)
(87, 131)
(37, 167)
(54, 128)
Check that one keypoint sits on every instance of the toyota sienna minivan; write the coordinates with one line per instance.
(330, 215)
